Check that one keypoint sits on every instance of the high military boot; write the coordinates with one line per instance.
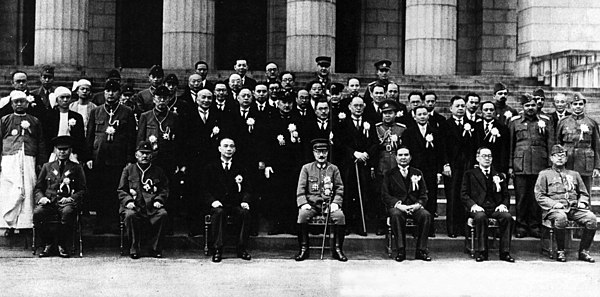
(302, 242)
(586, 241)
(337, 251)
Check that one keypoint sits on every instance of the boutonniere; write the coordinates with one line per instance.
(400, 113)
(25, 125)
(495, 133)
(293, 133)
(415, 182)
(542, 126)
(66, 181)
(238, 180)
(508, 114)
(110, 132)
(497, 180)
(72, 122)
(281, 140)
(250, 122)
(154, 141)
(341, 116)
(467, 129)
(570, 185)
(55, 172)
(366, 127)
(429, 139)
(215, 131)
(584, 129)
(31, 101)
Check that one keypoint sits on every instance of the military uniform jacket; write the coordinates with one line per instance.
(579, 135)
(223, 186)
(45, 96)
(166, 130)
(395, 188)
(318, 184)
(14, 137)
(389, 140)
(118, 149)
(504, 113)
(530, 143)
(145, 99)
(477, 189)
(149, 187)
(51, 180)
(564, 186)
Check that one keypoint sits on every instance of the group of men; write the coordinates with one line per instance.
(245, 149)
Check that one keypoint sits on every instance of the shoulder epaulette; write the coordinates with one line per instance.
(515, 118)
(545, 117)
(372, 83)
(401, 125)
(378, 124)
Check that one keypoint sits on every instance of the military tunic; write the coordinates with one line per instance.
(390, 139)
(320, 184)
(579, 135)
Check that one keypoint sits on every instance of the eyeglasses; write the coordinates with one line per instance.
(577, 104)
(502, 93)
(486, 156)
(560, 155)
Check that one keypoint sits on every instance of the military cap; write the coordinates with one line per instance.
(499, 87)
(172, 79)
(578, 96)
(62, 142)
(539, 93)
(113, 75)
(286, 97)
(145, 146)
(320, 144)
(389, 104)
(17, 95)
(61, 91)
(525, 98)
(383, 64)
(47, 70)
(323, 61)
(156, 71)
(557, 149)
(162, 91)
(128, 90)
(112, 85)
(336, 88)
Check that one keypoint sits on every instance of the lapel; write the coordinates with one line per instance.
(480, 177)
(397, 178)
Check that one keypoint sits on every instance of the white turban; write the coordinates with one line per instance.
(81, 82)
(17, 95)
(61, 91)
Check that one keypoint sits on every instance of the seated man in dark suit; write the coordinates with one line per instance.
(404, 193)
(484, 193)
(59, 189)
(143, 191)
(228, 191)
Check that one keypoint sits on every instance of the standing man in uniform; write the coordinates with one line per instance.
(503, 111)
(531, 137)
(323, 64)
(145, 98)
(578, 133)
(320, 190)
(47, 87)
(111, 141)
(98, 97)
(562, 195)
(383, 75)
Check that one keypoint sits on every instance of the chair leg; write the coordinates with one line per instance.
(33, 248)
(79, 228)
(472, 249)
(551, 244)
(389, 238)
(206, 239)
(122, 235)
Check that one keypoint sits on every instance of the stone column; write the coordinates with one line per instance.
(310, 33)
(188, 33)
(430, 47)
(61, 32)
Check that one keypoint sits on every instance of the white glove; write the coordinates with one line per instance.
(216, 204)
(268, 172)
(244, 205)
(334, 207)
(305, 206)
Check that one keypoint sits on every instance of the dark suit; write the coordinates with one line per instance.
(396, 188)
(461, 147)
(248, 82)
(477, 189)
(77, 132)
(554, 118)
(499, 145)
(221, 185)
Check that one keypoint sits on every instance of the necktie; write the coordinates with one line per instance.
(459, 122)
(357, 121)
(203, 115)
(404, 171)
(486, 172)
(226, 166)
(261, 107)
(61, 167)
(244, 113)
(487, 127)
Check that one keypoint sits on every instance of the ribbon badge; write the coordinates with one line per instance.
(415, 182)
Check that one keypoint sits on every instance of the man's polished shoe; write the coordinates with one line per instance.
(584, 255)
(480, 256)
(361, 233)
(134, 256)
(561, 256)
(338, 254)
(400, 257)
(452, 235)
(156, 254)
(303, 254)
(422, 255)
(46, 252)
(62, 252)
(507, 258)
(244, 255)
(381, 231)
(217, 256)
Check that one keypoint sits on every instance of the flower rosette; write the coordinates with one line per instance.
(497, 180)
(400, 113)
(342, 116)
(467, 129)
(110, 133)
(429, 140)
(541, 126)
(25, 125)
(14, 132)
(494, 134)
(149, 186)
(508, 115)
(327, 186)
(415, 182)
(31, 100)
(281, 140)
(250, 122)
(238, 180)
(72, 122)
(215, 131)
(294, 137)
(366, 127)
(154, 141)
(584, 128)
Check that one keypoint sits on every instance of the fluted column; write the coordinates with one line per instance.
(188, 33)
(310, 33)
(61, 32)
(430, 47)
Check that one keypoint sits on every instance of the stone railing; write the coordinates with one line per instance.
(571, 69)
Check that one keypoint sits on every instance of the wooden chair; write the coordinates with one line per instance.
(207, 224)
(548, 246)
(319, 221)
(77, 235)
(389, 237)
(493, 227)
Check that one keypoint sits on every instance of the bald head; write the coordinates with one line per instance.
(195, 82)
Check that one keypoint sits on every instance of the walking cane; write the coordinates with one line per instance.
(325, 231)
(362, 211)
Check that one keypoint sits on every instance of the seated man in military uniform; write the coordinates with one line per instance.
(320, 189)
(562, 195)
(58, 192)
(143, 191)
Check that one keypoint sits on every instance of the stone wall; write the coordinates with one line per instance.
(276, 32)
(499, 37)
(101, 51)
(382, 35)
(556, 25)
